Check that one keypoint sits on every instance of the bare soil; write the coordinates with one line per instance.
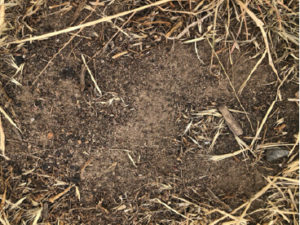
(131, 138)
(127, 149)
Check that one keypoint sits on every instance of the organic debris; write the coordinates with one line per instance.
(107, 118)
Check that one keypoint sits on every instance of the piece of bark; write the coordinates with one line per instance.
(233, 125)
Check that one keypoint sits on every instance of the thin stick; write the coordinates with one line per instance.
(233, 125)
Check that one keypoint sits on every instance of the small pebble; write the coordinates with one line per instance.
(50, 135)
(276, 153)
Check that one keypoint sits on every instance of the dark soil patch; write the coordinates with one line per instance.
(131, 138)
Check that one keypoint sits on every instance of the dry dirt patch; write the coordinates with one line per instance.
(126, 148)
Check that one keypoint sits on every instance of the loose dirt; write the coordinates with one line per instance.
(127, 148)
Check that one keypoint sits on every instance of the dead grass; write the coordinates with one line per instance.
(269, 27)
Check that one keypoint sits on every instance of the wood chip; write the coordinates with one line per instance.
(230, 121)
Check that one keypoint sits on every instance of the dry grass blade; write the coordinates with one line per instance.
(77, 193)
(235, 219)
(268, 113)
(17, 204)
(59, 51)
(239, 27)
(294, 146)
(230, 83)
(208, 112)
(252, 71)
(2, 140)
(292, 167)
(54, 198)
(263, 123)
(256, 196)
(3, 219)
(119, 54)
(9, 119)
(188, 127)
(2, 17)
(226, 156)
(35, 214)
(246, 205)
(220, 126)
(178, 25)
(88, 24)
(169, 208)
(260, 24)
(92, 77)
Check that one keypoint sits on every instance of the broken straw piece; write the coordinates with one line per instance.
(230, 121)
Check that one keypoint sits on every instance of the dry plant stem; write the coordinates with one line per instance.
(110, 40)
(214, 26)
(262, 123)
(256, 137)
(82, 169)
(59, 51)
(220, 125)
(268, 113)
(88, 24)
(54, 198)
(228, 155)
(252, 71)
(2, 16)
(256, 196)
(231, 85)
(246, 205)
(260, 24)
(226, 215)
(9, 119)
(80, 7)
(171, 209)
(92, 77)
(217, 199)
(2, 141)
(294, 146)
(103, 49)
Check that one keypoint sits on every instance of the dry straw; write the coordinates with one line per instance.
(273, 21)
(88, 24)
(2, 17)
